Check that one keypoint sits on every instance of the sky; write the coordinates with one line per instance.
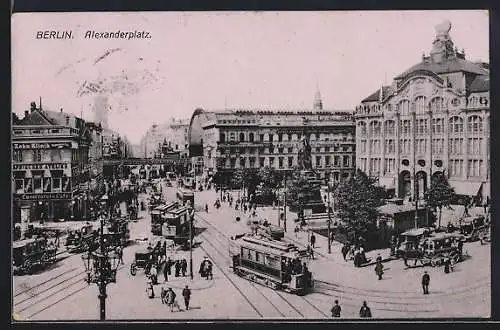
(217, 60)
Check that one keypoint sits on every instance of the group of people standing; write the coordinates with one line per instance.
(364, 311)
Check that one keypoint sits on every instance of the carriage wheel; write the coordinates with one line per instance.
(434, 262)
(133, 269)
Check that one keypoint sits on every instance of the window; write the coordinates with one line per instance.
(375, 165)
(251, 137)
(252, 162)
(271, 162)
(318, 161)
(280, 137)
(336, 160)
(362, 146)
(456, 166)
(17, 155)
(232, 137)
(56, 184)
(389, 127)
(474, 167)
(37, 155)
(262, 161)
(362, 128)
(280, 162)
(222, 137)
(375, 128)
(318, 149)
(19, 186)
(289, 137)
(473, 102)
(474, 146)
(327, 161)
(55, 155)
(390, 165)
(437, 126)
(455, 146)
(404, 107)
(37, 182)
(242, 162)
(280, 150)
(422, 128)
(233, 162)
(270, 137)
(242, 137)
(327, 149)
(405, 127)
(375, 146)
(261, 137)
(290, 161)
(456, 125)
(437, 104)
(404, 146)
(389, 146)
(345, 162)
(437, 146)
(420, 104)
(475, 124)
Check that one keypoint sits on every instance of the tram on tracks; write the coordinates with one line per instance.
(31, 253)
(278, 265)
(176, 226)
(156, 216)
(185, 195)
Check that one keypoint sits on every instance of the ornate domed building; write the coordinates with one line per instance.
(433, 119)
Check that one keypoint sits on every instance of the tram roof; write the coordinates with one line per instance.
(165, 207)
(269, 247)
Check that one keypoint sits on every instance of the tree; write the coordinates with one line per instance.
(267, 177)
(439, 194)
(356, 201)
(300, 190)
(237, 178)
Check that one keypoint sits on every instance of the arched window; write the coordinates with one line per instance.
(222, 137)
(251, 137)
(473, 101)
(362, 128)
(456, 125)
(375, 128)
(242, 137)
(404, 107)
(420, 104)
(270, 137)
(389, 127)
(475, 124)
(437, 104)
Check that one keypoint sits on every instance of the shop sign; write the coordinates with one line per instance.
(45, 196)
(40, 166)
(18, 146)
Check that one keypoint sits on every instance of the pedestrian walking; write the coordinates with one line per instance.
(184, 265)
(313, 240)
(119, 253)
(336, 309)
(379, 270)
(425, 282)
(169, 266)
(170, 299)
(379, 258)
(345, 250)
(177, 268)
(165, 271)
(206, 208)
(210, 274)
(365, 311)
(186, 293)
(310, 252)
(150, 289)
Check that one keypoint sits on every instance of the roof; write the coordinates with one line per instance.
(480, 84)
(391, 209)
(450, 65)
(37, 117)
(376, 95)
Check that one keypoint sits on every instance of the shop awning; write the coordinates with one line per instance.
(387, 183)
(466, 188)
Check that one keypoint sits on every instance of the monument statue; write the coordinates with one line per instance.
(304, 157)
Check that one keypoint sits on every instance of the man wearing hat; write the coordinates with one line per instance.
(425, 282)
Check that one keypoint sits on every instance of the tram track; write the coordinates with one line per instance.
(297, 307)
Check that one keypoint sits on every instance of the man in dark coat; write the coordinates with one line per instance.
(379, 270)
(177, 268)
(336, 309)
(425, 282)
(186, 293)
(365, 310)
(184, 265)
(313, 240)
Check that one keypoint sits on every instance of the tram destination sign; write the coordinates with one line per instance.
(18, 146)
(45, 196)
(40, 166)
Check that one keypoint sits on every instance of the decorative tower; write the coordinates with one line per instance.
(442, 47)
(101, 110)
(318, 104)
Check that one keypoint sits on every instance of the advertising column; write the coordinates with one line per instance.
(25, 219)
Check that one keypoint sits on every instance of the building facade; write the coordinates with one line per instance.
(51, 170)
(173, 134)
(433, 118)
(222, 141)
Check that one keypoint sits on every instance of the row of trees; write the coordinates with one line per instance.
(356, 199)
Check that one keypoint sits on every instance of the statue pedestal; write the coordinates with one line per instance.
(314, 202)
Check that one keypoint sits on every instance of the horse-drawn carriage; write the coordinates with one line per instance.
(435, 250)
(143, 259)
(31, 253)
(473, 228)
(81, 237)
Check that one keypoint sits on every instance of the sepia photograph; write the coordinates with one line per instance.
(250, 165)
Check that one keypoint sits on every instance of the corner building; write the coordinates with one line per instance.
(433, 118)
(241, 139)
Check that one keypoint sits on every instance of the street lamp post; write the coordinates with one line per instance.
(100, 266)
(191, 219)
